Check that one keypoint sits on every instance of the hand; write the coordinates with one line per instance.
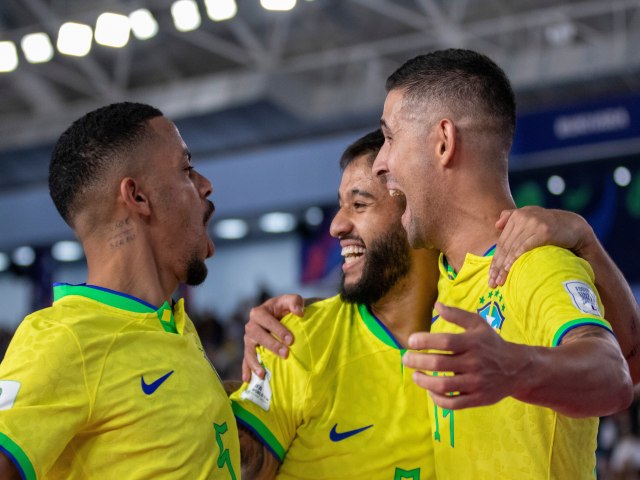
(526, 228)
(486, 368)
(264, 328)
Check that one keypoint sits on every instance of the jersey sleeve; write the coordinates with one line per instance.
(44, 399)
(554, 290)
(273, 408)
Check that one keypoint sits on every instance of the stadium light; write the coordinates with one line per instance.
(37, 47)
(143, 25)
(186, 16)
(277, 222)
(622, 176)
(231, 229)
(74, 39)
(278, 5)
(314, 216)
(556, 184)
(23, 256)
(67, 251)
(8, 56)
(112, 30)
(219, 10)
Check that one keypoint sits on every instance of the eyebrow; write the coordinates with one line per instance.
(354, 192)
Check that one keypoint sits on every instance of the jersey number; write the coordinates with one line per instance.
(445, 413)
(224, 457)
(413, 474)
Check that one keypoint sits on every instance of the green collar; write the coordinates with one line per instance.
(117, 300)
(452, 274)
(376, 327)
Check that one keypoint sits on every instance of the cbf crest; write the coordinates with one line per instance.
(492, 309)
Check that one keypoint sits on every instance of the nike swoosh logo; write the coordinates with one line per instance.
(150, 388)
(339, 436)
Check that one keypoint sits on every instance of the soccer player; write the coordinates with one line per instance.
(343, 405)
(111, 381)
(535, 354)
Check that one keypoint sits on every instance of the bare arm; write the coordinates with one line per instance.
(8, 470)
(585, 376)
(530, 227)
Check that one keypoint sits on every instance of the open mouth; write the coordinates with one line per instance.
(352, 253)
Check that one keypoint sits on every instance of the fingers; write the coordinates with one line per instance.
(460, 317)
(259, 334)
(251, 361)
(504, 218)
(284, 304)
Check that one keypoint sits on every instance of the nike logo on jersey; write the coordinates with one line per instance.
(336, 436)
(150, 388)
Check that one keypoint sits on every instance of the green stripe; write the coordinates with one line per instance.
(23, 463)
(374, 327)
(102, 296)
(579, 323)
(260, 428)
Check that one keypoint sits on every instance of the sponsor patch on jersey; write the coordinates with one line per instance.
(259, 390)
(583, 296)
(8, 393)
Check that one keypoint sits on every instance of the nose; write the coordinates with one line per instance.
(340, 225)
(380, 167)
(204, 185)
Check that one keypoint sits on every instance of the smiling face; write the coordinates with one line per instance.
(374, 244)
(179, 201)
(407, 167)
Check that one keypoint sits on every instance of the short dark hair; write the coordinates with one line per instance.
(369, 145)
(90, 147)
(462, 80)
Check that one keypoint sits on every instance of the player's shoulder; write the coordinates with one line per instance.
(549, 256)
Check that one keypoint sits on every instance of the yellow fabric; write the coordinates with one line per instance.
(512, 439)
(342, 374)
(81, 411)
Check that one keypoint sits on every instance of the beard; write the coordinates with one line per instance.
(387, 261)
(196, 271)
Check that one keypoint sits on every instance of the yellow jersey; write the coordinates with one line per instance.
(104, 385)
(548, 292)
(342, 405)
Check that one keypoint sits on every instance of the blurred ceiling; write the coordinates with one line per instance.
(264, 76)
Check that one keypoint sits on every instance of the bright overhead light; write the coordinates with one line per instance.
(622, 176)
(231, 229)
(67, 251)
(74, 39)
(143, 25)
(277, 222)
(8, 56)
(112, 30)
(4, 262)
(556, 184)
(561, 33)
(37, 47)
(23, 256)
(278, 5)
(186, 16)
(219, 10)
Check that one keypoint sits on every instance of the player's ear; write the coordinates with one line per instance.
(133, 196)
(445, 141)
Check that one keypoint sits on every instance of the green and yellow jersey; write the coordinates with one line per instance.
(103, 385)
(548, 292)
(342, 405)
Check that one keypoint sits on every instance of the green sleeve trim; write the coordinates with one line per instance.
(256, 426)
(18, 457)
(579, 322)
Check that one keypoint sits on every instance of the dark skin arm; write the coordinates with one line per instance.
(529, 227)
(8, 470)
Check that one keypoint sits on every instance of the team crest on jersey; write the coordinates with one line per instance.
(583, 297)
(492, 308)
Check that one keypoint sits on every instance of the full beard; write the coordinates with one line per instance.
(388, 261)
